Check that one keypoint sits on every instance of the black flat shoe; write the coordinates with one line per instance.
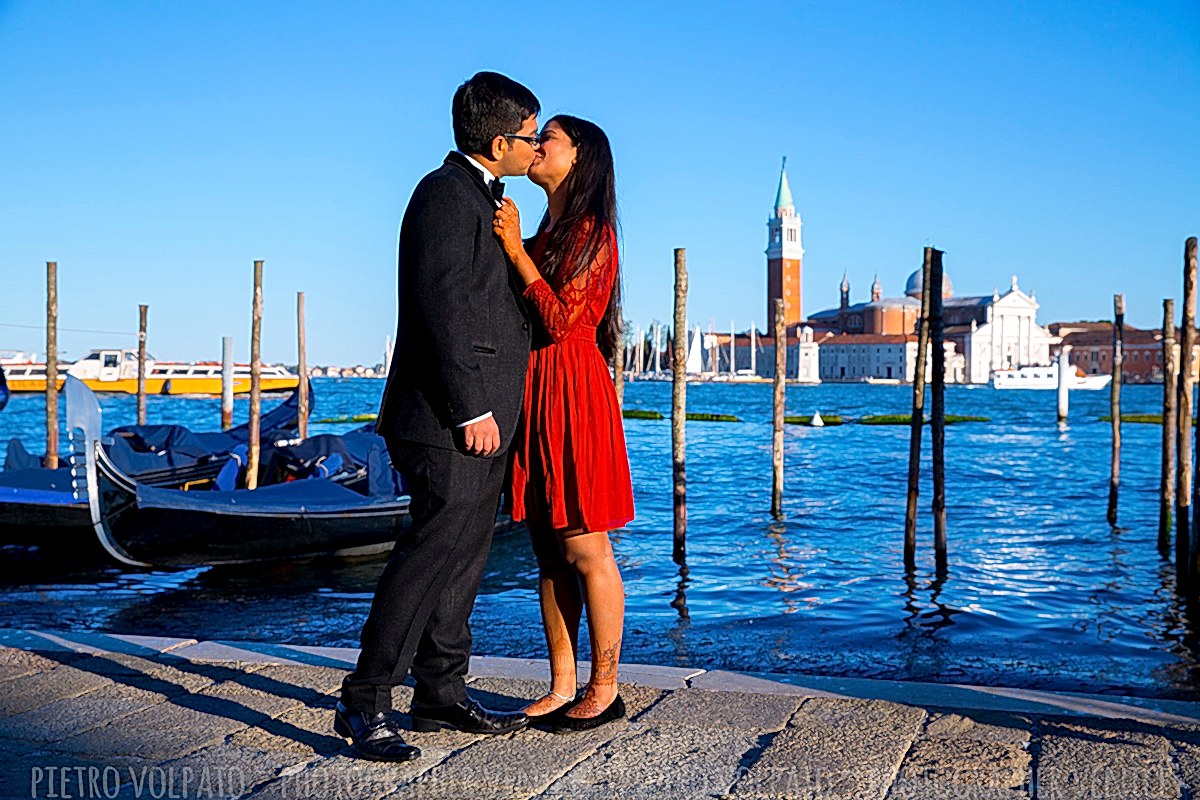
(540, 720)
(565, 724)
(373, 736)
(467, 716)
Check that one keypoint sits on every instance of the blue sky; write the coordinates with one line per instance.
(156, 149)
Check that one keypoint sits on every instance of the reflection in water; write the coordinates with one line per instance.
(1180, 626)
(786, 569)
(926, 618)
(922, 638)
(677, 633)
(680, 601)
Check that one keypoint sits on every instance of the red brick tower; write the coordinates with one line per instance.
(784, 257)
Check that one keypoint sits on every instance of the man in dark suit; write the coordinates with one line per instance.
(448, 415)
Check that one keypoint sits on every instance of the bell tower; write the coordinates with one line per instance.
(784, 256)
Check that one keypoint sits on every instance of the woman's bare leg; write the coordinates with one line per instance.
(591, 556)
(561, 602)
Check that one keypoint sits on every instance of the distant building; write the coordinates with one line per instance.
(858, 357)
(754, 354)
(784, 257)
(884, 316)
(1091, 350)
(983, 333)
(998, 332)
(803, 354)
(993, 332)
(356, 371)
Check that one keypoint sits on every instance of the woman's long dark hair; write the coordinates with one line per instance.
(591, 211)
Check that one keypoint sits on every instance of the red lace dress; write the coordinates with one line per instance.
(570, 468)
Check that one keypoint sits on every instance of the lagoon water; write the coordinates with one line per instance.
(1040, 591)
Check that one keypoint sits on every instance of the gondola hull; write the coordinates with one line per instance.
(57, 527)
(36, 523)
(40, 514)
(146, 526)
(173, 529)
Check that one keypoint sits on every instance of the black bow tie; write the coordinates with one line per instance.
(497, 191)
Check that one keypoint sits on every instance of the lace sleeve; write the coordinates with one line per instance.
(563, 311)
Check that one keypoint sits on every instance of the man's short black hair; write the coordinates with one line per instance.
(488, 105)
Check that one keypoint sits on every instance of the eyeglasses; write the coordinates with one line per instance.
(532, 141)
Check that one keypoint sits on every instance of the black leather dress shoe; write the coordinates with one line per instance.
(374, 736)
(467, 716)
(565, 724)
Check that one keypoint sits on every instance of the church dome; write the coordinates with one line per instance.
(913, 287)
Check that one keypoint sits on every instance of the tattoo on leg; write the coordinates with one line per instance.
(602, 687)
(605, 670)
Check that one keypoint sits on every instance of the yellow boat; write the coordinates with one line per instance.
(116, 371)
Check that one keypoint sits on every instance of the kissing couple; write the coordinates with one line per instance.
(501, 367)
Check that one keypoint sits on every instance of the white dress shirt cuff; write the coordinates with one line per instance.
(473, 421)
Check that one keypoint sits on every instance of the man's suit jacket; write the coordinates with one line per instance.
(462, 343)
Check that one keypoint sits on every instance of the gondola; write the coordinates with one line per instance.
(147, 526)
(41, 513)
(174, 456)
(38, 508)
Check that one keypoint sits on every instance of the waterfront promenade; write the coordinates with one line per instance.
(102, 715)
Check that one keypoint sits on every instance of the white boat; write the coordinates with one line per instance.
(1045, 378)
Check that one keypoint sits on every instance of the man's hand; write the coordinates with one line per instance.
(482, 438)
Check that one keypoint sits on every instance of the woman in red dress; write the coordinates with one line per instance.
(570, 472)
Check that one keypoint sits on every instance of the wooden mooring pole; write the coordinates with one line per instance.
(917, 421)
(1183, 421)
(938, 410)
(1189, 261)
(141, 365)
(779, 405)
(255, 380)
(226, 382)
(302, 367)
(1167, 485)
(51, 461)
(679, 406)
(1118, 359)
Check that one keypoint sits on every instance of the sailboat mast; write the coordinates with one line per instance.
(753, 349)
(732, 348)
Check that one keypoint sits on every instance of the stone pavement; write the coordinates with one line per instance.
(102, 715)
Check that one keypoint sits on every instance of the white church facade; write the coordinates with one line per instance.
(998, 332)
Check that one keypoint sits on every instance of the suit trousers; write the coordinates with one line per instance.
(419, 617)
